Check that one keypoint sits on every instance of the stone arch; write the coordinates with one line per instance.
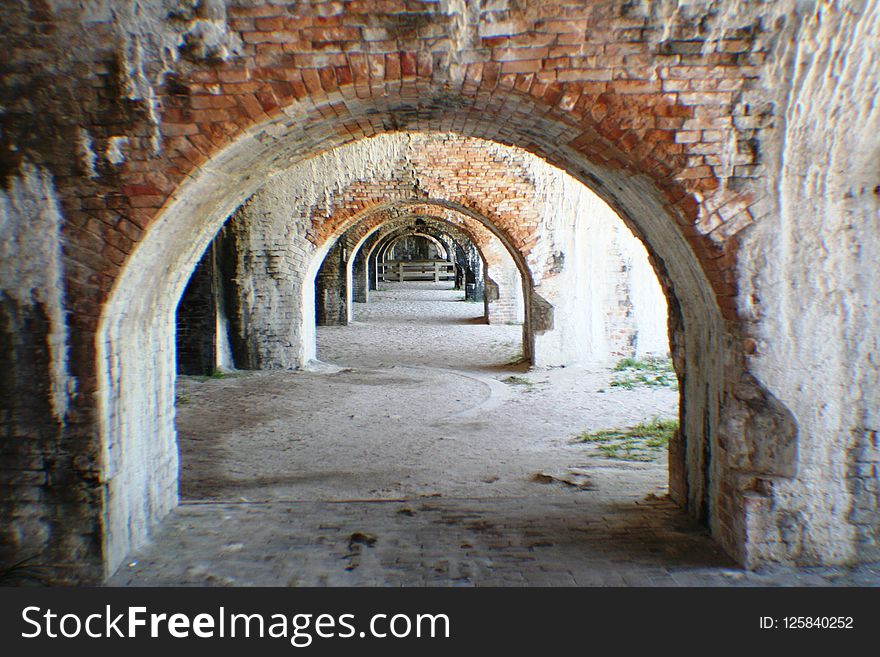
(335, 281)
(499, 279)
(646, 181)
(373, 205)
(373, 245)
(372, 229)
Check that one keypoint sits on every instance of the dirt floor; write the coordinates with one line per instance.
(417, 452)
(421, 402)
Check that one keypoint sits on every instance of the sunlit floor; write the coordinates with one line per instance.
(421, 453)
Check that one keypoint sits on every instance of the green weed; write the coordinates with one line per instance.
(630, 373)
(217, 374)
(643, 442)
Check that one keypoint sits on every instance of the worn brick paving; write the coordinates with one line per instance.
(574, 541)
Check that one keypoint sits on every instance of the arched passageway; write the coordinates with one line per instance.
(689, 468)
(253, 225)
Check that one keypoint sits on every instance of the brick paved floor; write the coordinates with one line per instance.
(448, 542)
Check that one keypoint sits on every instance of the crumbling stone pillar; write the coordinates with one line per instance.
(360, 289)
(331, 297)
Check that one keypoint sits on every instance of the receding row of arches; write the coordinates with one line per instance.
(426, 239)
(253, 284)
(255, 154)
(271, 336)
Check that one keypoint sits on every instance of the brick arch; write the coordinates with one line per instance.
(493, 256)
(461, 209)
(449, 241)
(365, 211)
(603, 155)
(434, 240)
(384, 220)
(381, 231)
(376, 243)
(443, 181)
(605, 129)
(474, 229)
(382, 215)
(643, 184)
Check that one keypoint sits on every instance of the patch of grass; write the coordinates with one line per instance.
(527, 385)
(643, 442)
(216, 374)
(630, 373)
(182, 400)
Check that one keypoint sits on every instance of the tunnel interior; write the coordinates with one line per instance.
(201, 200)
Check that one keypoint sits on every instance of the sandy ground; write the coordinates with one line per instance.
(414, 404)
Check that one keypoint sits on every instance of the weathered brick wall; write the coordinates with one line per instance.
(701, 123)
(331, 299)
(360, 277)
(196, 321)
(48, 469)
(270, 255)
(490, 255)
(634, 308)
(466, 233)
(807, 297)
(506, 304)
(620, 329)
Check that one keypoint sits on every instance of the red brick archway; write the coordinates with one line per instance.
(374, 229)
(137, 136)
(364, 210)
(195, 211)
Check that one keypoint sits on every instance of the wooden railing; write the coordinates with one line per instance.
(415, 270)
